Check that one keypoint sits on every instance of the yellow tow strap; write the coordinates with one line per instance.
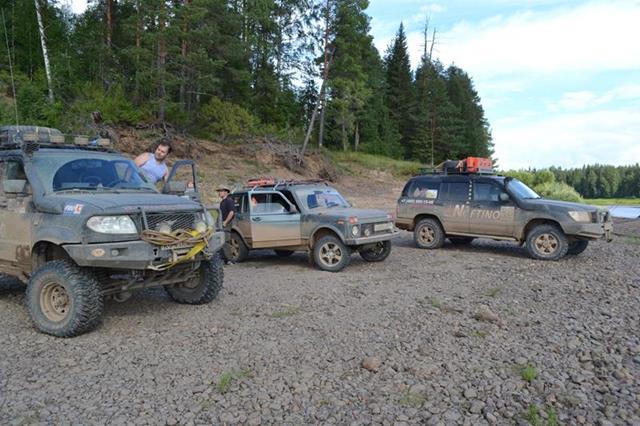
(176, 242)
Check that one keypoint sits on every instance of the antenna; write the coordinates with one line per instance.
(13, 83)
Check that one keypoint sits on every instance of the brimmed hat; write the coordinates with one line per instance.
(223, 188)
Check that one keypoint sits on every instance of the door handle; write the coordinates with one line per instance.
(256, 219)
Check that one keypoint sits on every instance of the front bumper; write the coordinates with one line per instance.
(373, 239)
(138, 255)
(592, 231)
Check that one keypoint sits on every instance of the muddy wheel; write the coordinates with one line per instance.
(204, 287)
(235, 249)
(461, 240)
(428, 234)
(378, 253)
(547, 242)
(330, 254)
(283, 253)
(64, 300)
(577, 247)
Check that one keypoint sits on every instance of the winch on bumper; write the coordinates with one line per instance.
(138, 255)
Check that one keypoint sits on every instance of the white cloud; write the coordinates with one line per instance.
(568, 140)
(588, 99)
(593, 36)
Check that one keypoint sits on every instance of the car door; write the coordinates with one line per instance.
(182, 180)
(452, 204)
(491, 213)
(275, 222)
(15, 215)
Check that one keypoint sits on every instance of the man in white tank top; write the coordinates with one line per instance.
(154, 164)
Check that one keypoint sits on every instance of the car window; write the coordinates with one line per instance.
(268, 204)
(13, 170)
(240, 203)
(484, 191)
(454, 191)
(423, 188)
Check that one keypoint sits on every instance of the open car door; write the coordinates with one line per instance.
(182, 180)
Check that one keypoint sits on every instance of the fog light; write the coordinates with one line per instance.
(367, 232)
(355, 230)
(97, 252)
(201, 227)
(115, 252)
(164, 227)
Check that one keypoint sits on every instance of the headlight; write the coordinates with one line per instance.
(355, 230)
(581, 216)
(112, 225)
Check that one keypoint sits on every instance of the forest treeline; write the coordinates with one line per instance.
(594, 181)
(230, 70)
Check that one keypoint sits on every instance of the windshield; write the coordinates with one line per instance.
(520, 190)
(69, 171)
(322, 198)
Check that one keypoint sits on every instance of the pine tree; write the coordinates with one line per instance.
(400, 97)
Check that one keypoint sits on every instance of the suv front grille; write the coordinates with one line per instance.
(369, 229)
(179, 220)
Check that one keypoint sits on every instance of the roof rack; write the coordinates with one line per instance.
(467, 166)
(32, 138)
(272, 183)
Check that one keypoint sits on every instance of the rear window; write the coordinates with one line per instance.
(454, 191)
(422, 188)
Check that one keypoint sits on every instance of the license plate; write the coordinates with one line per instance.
(382, 226)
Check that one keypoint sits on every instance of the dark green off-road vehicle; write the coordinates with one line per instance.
(78, 222)
(465, 206)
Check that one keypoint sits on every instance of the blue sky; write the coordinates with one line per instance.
(559, 80)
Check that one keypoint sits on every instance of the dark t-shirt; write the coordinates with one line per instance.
(227, 205)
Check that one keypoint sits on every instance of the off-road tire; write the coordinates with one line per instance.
(547, 242)
(428, 234)
(202, 289)
(63, 299)
(283, 253)
(331, 254)
(577, 247)
(236, 250)
(461, 240)
(378, 253)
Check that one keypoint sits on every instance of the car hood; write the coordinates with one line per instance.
(367, 215)
(117, 203)
(543, 203)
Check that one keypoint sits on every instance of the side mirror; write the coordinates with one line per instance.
(504, 196)
(15, 186)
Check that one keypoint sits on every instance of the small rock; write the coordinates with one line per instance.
(476, 407)
(470, 393)
(485, 314)
(371, 363)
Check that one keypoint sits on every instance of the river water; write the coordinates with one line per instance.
(629, 212)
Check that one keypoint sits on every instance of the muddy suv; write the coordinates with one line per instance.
(307, 216)
(464, 206)
(79, 222)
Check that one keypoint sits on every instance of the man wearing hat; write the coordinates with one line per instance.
(227, 209)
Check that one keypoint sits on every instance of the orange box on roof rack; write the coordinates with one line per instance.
(262, 181)
(478, 164)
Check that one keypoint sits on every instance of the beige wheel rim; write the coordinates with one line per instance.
(234, 246)
(330, 254)
(546, 243)
(55, 302)
(427, 235)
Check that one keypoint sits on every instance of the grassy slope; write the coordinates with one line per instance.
(613, 201)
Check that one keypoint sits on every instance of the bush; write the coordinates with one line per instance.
(113, 104)
(558, 191)
(523, 176)
(226, 120)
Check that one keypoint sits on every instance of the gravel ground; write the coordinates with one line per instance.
(461, 335)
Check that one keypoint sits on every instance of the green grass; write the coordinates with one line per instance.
(412, 399)
(532, 415)
(493, 292)
(528, 372)
(430, 301)
(288, 311)
(479, 333)
(225, 380)
(613, 201)
(397, 168)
